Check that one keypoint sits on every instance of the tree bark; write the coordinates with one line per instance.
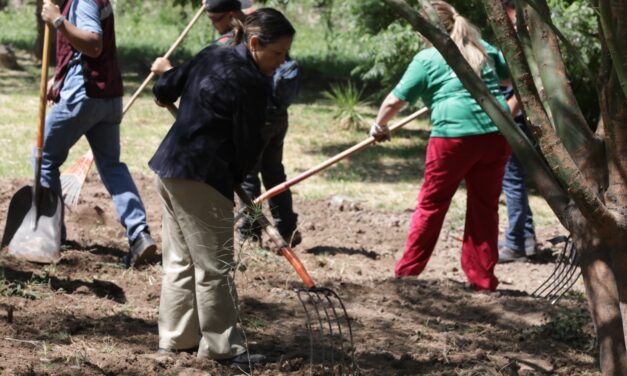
(569, 122)
(561, 163)
(597, 267)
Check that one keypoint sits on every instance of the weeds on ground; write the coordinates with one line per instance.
(31, 289)
(569, 326)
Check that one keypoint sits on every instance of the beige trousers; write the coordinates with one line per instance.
(198, 298)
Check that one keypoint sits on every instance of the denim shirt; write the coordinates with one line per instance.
(85, 15)
(216, 136)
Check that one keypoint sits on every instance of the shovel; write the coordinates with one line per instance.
(35, 216)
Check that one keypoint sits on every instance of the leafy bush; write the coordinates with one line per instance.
(347, 98)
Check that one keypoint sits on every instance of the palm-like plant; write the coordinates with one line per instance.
(347, 99)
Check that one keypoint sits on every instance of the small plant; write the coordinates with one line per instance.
(347, 98)
(568, 326)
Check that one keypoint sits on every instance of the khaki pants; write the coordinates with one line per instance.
(198, 298)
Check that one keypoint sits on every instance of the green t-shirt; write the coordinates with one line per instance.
(454, 112)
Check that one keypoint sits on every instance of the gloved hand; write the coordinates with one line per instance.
(380, 132)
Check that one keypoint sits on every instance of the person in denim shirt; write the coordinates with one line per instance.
(87, 89)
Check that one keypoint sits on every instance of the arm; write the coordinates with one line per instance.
(169, 87)
(514, 105)
(85, 41)
(389, 108)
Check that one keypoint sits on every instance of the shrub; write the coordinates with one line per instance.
(347, 98)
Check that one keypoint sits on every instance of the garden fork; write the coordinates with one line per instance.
(564, 275)
(328, 324)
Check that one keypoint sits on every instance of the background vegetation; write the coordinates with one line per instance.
(371, 49)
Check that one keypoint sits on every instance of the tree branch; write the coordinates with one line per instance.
(558, 158)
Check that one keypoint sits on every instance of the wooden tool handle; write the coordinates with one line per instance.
(176, 43)
(43, 85)
(280, 188)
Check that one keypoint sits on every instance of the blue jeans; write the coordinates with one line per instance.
(519, 213)
(99, 120)
(270, 165)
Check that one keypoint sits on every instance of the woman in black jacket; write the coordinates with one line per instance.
(214, 142)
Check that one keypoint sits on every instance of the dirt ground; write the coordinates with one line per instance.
(87, 315)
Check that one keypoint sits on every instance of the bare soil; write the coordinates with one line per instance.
(87, 315)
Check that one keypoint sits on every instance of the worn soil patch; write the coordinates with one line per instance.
(87, 315)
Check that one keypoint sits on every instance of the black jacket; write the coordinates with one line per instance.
(216, 136)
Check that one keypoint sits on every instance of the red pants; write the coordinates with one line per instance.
(480, 161)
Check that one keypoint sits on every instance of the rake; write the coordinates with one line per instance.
(280, 188)
(73, 178)
(328, 324)
(564, 275)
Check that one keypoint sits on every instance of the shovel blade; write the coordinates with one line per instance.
(19, 206)
(38, 234)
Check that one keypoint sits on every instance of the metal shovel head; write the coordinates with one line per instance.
(33, 231)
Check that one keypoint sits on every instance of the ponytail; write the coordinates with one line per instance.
(238, 31)
(466, 36)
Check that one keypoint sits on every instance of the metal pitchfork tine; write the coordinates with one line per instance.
(564, 275)
(324, 310)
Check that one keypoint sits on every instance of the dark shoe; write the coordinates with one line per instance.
(507, 254)
(244, 360)
(293, 238)
(141, 249)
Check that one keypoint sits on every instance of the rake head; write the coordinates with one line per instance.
(564, 275)
(73, 178)
(331, 347)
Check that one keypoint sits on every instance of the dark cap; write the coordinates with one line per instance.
(219, 6)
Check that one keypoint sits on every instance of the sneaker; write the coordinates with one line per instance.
(244, 360)
(507, 254)
(141, 249)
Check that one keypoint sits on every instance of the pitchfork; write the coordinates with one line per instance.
(327, 319)
(564, 275)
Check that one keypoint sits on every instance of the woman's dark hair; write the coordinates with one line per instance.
(267, 24)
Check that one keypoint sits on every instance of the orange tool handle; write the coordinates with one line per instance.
(298, 266)
(280, 188)
(277, 239)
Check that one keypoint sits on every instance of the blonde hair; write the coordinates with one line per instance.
(466, 36)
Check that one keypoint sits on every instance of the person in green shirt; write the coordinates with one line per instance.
(464, 146)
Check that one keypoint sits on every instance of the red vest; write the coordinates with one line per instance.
(102, 74)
